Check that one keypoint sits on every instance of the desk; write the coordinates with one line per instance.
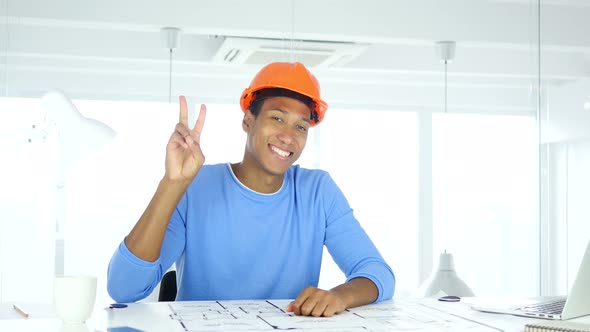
(260, 315)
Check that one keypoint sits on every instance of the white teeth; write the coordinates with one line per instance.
(280, 152)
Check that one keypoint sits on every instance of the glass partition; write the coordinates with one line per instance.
(564, 142)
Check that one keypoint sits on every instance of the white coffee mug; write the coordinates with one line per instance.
(74, 297)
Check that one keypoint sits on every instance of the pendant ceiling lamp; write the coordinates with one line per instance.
(444, 279)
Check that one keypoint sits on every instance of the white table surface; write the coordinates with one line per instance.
(154, 316)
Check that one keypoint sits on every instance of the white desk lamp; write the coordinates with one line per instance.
(78, 137)
(28, 272)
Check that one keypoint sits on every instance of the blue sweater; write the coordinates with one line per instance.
(230, 242)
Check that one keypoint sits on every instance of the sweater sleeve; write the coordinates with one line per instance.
(130, 278)
(351, 247)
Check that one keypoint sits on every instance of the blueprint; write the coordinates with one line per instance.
(268, 315)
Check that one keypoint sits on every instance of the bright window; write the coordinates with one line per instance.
(485, 200)
(372, 156)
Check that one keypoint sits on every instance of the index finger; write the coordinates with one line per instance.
(183, 111)
(296, 305)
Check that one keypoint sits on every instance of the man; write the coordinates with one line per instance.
(254, 229)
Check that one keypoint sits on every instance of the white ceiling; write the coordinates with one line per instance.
(112, 49)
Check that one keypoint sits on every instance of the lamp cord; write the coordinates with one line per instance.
(170, 79)
(445, 86)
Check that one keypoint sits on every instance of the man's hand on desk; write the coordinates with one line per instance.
(316, 302)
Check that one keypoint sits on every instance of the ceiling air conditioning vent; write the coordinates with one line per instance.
(260, 51)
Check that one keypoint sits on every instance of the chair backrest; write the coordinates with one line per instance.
(168, 287)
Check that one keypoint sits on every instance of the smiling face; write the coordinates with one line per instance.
(277, 136)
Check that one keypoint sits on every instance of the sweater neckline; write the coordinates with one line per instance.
(240, 184)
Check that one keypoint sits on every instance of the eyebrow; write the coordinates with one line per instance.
(308, 120)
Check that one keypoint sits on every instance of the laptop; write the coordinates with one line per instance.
(576, 304)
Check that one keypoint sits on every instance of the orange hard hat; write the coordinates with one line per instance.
(291, 76)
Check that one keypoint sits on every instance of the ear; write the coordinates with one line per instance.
(247, 121)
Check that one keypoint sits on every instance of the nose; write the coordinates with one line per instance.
(287, 135)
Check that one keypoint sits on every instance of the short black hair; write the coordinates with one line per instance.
(263, 94)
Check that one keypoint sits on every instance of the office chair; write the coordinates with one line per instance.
(168, 287)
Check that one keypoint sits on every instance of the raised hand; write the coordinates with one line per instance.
(184, 157)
